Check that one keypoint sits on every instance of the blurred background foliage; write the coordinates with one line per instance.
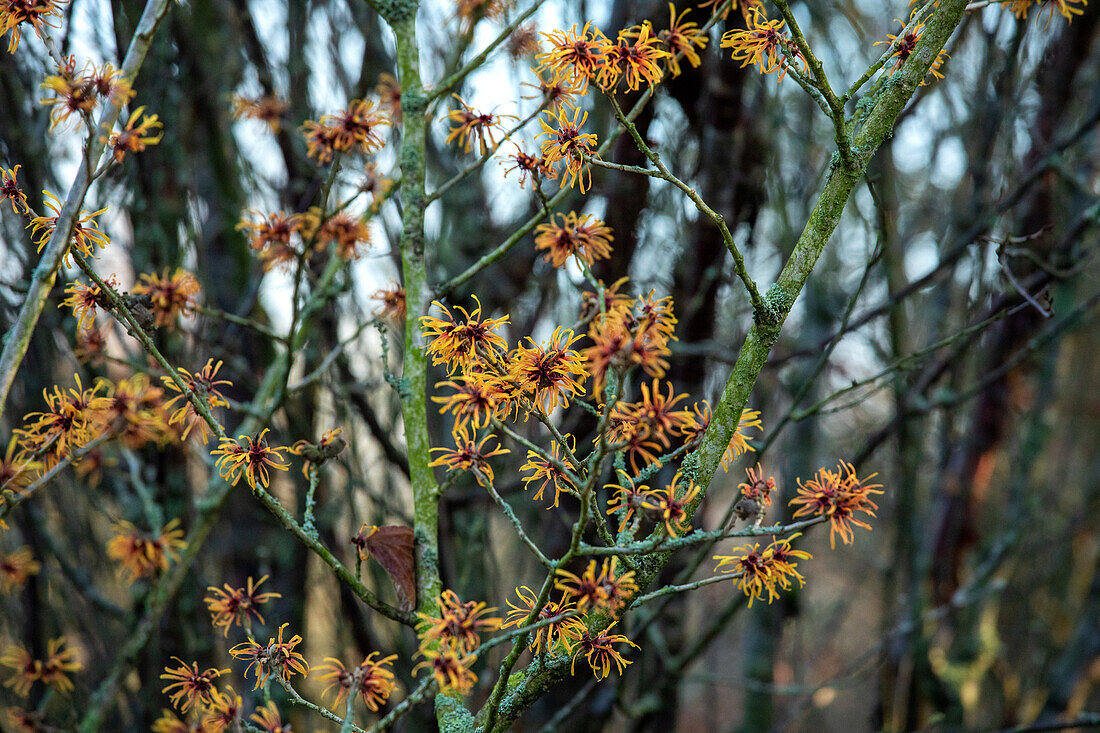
(914, 352)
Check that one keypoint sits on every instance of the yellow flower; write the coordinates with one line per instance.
(135, 137)
(276, 657)
(761, 44)
(250, 459)
(574, 56)
(86, 234)
(190, 685)
(565, 142)
(551, 373)
(469, 455)
(546, 637)
(598, 650)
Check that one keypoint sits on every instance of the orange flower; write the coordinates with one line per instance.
(905, 47)
(347, 231)
(371, 680)
(224, 711)
(451, 670)
(1066, 8)
(358, 125)
(26, 669)
(572, 56)
(761, 44)
(16, 470)
(250, 459)
(269, 109)
(272, 236)
(565, 142)
(784, 561)
(320, 141)
(551, 373)
(237, 605)
(635, 62)
(524, 42)
(16, 568)
(267, 717)
(629, 499)
(837, 496)
(757, 489)
(680, 39)
(9, 188)
(536, 167)
(85, 300)
(58, 663)
(143, 555)
(672, 509)
(79, 91)
(204, 383)
(276, 657)
(38, 13)
(547, 471)
(389, 96)
(393, 303)
(135, 139)
(469, 455)
(472, 125)
(172, 295)
(739, 444)
(752, 570)
(477, 399)
(458, 625)
(86, 233)
(190, 685)
(458, 344)
(605, 591)
(586, 237)
(554, 91)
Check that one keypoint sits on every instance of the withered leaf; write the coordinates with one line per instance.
(392, 548)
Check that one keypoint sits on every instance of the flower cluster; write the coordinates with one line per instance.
(231, 606)
(53, 671)
(837, 496)
(356, 127)
(764, 572)
(170, 295)
(282, 240)
(276, 657)
(38, 15)
(372, 680)
(143, 555)
(249, 456)
(79, 91)
(86, 235)
(903, 44)
(763, 43)
(449, 641)
(584, 237)
(470, 125)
